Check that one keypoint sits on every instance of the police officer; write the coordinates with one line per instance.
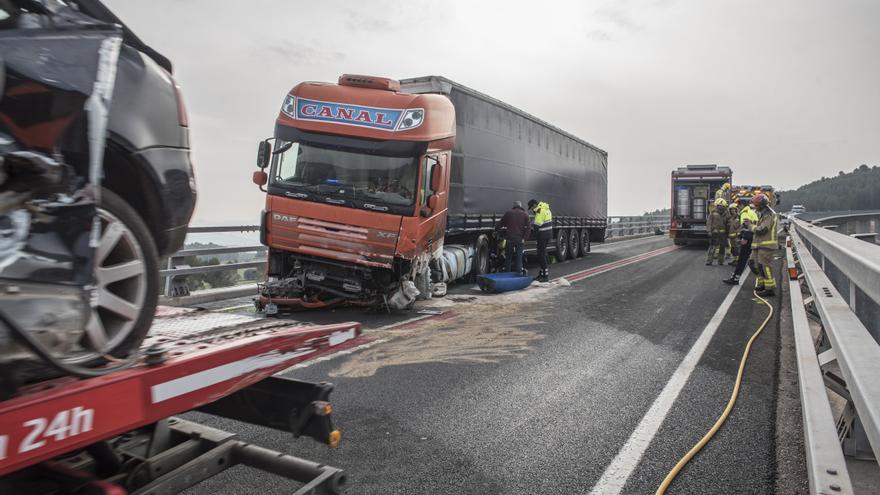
(764, 245)
(543, 225)
(717, 228)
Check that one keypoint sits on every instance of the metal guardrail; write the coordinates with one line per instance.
(832, 264)
(176, 294)
(629, 226)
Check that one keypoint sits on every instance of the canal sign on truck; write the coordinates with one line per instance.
(382, 191)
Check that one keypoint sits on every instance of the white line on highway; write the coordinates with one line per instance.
(621, 468)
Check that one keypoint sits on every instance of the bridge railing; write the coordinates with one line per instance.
(835, 279)
(631, 226)
(176, 291)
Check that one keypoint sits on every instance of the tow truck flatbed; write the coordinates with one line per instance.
(116, 432)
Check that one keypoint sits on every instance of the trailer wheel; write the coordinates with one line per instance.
(481, 256)
(561, 253)
(574, 248)
(585, 242)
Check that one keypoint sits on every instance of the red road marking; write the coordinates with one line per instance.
(574, 277)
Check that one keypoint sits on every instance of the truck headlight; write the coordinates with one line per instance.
(412, 118)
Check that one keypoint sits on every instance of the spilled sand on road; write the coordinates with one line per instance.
(473, 329)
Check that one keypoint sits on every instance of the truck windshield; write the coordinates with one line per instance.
(303, 168)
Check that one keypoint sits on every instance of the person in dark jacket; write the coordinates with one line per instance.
(515, 226)
(745, 250)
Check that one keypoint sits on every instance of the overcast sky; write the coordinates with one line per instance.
(783, 91)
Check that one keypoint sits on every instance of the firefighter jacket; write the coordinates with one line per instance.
(732, 224)
(748, 212)
(543, 217)
(717, 223)
(765, 230)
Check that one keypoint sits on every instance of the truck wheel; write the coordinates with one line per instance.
(127, 265)
(574, 248)
(481, 256)
(561, 253)
(585, 242)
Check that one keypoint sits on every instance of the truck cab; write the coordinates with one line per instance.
(356, 177)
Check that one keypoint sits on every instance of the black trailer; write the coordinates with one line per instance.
(503, 154)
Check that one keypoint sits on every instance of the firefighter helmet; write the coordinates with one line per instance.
(721, 202)
(760, 201)
(726, 186)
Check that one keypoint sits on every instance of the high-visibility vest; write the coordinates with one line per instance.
(749, 213)
(766, 240)
(543, 217)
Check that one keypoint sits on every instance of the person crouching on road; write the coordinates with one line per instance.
(544, 226)
(764, 245)
(732, 233)
(516, 227)
(744, 241)
(717, 227)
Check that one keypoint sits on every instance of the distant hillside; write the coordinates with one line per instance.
(857, 190)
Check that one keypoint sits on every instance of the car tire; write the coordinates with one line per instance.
(561, 252)
(127, 276)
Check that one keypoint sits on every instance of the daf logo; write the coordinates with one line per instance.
(386, 235)
(283, 218)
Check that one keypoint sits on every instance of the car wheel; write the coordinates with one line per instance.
(585, 242)
(561, 253)
(574, 248)
(127, 276)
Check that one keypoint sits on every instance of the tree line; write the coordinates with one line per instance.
(856, 190)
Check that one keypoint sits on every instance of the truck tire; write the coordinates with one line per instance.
(585, 241)
(481, 256)
(574, 248)
(561, 252)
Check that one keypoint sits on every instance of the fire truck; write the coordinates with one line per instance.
(693, 191)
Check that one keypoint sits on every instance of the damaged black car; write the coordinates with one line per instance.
(96, 184)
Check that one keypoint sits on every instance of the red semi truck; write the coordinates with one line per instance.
(380, 191)
(693, 191)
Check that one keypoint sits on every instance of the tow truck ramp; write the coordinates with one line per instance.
(118, 434)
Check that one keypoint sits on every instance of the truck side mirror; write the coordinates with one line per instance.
(264, 151)
(437, 174)
(433, 201)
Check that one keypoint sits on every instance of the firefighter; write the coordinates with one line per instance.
(724, 192)
(733, 225)
(764, 245)
(543, 226)
(747, 212)
(717, 229)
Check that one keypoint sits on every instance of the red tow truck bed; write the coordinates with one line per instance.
(115, 430)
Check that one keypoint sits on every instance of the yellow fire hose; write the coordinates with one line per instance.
(711, 433)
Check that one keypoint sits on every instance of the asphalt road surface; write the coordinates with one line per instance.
(597, 386)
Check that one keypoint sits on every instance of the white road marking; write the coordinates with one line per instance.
(621, 468)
